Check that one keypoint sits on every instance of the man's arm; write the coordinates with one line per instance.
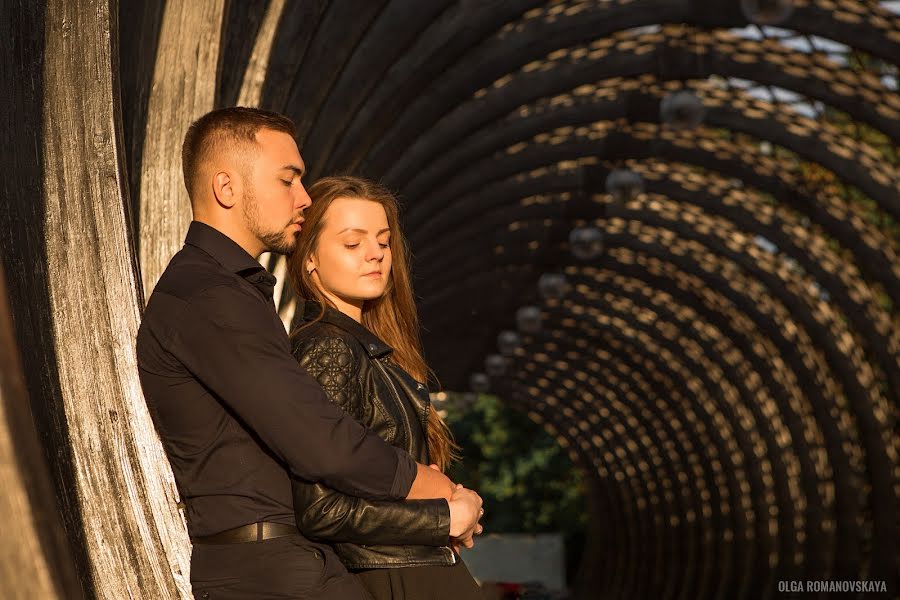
(326, 514)
(430, 483)
(227, 339)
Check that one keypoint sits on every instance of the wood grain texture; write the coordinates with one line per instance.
(183, 89)
(27, 504)
(134, 537)
(258, 65)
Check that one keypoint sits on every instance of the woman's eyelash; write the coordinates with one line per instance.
(287, 182)
(351, 246)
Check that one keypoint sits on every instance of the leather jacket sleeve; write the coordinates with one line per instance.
(328, 515)
(325, 514)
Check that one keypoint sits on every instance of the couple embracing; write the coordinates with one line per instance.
(310, 465)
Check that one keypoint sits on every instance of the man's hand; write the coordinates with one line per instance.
(465, 510)
(430, 483)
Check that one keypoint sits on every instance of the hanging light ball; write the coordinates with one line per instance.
(553, 286)
(767, 12)
(682, 110)
(507, 342)
(479, 383)
(495, 365)
(624, 184)
(528, 319)
(586, 242)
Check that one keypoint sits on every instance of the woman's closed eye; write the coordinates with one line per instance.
(351, 246)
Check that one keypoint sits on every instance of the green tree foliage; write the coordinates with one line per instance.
(525, 478)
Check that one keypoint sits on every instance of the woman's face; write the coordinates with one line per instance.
(351, 262)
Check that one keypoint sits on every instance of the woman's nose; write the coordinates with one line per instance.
(376, 252)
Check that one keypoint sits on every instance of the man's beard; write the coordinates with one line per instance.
(280, 242)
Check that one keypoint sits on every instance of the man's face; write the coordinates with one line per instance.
(274, 196)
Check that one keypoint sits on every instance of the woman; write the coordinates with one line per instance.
(359, 337)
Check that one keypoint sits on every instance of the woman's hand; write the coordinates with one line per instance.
(465, 510)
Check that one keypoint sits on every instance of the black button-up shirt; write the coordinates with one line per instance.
(234, 410)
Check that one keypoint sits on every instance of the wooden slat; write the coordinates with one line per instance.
(135, 540)
(35, 560)
(184, 88)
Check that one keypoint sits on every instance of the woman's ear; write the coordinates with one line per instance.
(310, 265)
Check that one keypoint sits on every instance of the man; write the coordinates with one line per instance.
(235, 412)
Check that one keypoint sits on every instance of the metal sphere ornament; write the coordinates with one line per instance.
(682, 110)
(528, 319)
(767, 12)
(624, 184)
(553, 286)
(479, 383)
(495, 365)
(586, 242)
(508, 341)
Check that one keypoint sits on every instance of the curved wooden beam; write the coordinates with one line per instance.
(35, 562)
(183, 89)
(76, 299)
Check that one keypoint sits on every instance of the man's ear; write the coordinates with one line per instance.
(223, 189)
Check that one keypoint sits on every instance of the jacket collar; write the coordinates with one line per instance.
(307, 310)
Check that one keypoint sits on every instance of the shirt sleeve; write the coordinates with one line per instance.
(229, 340)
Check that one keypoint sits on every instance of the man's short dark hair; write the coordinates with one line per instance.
(224, 127)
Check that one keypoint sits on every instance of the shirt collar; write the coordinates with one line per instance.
(307, 310)
(230, 255)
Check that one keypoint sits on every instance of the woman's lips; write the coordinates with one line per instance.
(374, 275)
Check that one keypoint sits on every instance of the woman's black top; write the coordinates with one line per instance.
(355, 368)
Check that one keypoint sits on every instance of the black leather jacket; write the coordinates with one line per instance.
(353, 366)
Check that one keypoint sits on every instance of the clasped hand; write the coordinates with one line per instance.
(465, 512)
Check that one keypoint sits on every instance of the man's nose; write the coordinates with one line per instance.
(302, 199)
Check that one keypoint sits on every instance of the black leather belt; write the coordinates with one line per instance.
(254, 532)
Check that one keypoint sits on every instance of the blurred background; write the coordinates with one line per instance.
(655, 247)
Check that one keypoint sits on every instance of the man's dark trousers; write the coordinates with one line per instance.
(282, 567)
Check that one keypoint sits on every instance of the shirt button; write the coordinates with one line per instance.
(372, 347)
(317, 554)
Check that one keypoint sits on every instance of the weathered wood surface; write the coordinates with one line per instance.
(34, 553)
(76, 304)
(255, 73)
(183, 89)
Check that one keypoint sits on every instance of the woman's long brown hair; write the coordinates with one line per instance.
(392, 317)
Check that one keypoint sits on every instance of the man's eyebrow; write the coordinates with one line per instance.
(298, 170)
(364, 231)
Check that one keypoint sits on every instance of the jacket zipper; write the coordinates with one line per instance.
(399, 402)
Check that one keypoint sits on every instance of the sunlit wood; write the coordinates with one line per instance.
(133, 535)
(184, 87)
